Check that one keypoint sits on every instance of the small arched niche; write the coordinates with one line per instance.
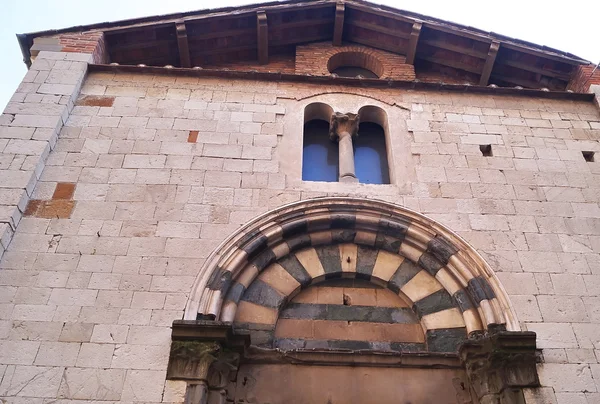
(320, 156)
(354, 64)
(370, 147)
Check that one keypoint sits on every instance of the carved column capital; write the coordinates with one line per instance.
(500, 365)
(343, 124)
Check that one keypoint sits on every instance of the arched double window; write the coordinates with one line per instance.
(322, 155)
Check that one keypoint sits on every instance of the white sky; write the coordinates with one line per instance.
(569, 26)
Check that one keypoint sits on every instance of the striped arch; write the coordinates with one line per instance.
(444, 280)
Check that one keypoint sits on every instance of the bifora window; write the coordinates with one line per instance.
(346, 148)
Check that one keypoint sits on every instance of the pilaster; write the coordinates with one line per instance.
(34, 116)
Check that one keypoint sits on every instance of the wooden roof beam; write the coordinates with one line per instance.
(379, 29)
(451, 63)
(262, 37)
(533, 69)
(182, 43)
(413, 41)
(489, 63)
(338, 30)
(454, 48)
(523, 82)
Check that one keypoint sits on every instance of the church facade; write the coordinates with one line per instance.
(304, 202)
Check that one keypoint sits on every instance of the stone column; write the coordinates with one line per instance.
(500, 366)
(342, 128)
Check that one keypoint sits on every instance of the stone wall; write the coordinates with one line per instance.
(165, 168)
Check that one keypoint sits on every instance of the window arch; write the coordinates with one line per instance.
(370, 149)
(320, 157)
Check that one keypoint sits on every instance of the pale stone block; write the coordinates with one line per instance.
(575, 244)
(148, 300)
(518, 283)
(31, 381)
(95, 355)
(125, 91)
(257, 153)
(27, 295)
(110, 333)
(583, 356)
(15, 179)
(144, 161)
(113, 298)
(134, 316)
(143, 246)
(57, 353)
(553, 335)
(539, 261)
(570, 284)
(67, 313)
(171, 283)
(206, 125)
(431, 174)
(153, 176)
(96, 263)
(543, 242)
(239, 166)
(178, 230)
(76, 332)
(92, 384)
(174, 391)
(566, 377)
(94, 210)
(9, 132)
(488, 222)
(164, 318)
(572, 308)
(104, 281)
(144, 357)
(189, 248)
(135, 282)
(140, 335)
(34, 330)
(588, 335)
(73, 297)
(218, 196)
(144, 386)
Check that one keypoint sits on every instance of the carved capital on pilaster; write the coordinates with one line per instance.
(500, 365)
(341, 124)
(206, 351)
(193, 358)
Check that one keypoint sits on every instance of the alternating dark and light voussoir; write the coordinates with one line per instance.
(443, 287)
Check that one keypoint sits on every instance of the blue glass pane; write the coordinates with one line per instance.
(320, 155)
(370, 156)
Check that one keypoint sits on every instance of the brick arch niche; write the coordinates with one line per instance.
(321, 58)
(366, 294)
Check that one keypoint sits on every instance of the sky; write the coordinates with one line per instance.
(573, 27)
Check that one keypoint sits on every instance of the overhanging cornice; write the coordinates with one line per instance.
(217, 37)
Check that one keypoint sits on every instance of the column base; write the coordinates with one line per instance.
(348, 178)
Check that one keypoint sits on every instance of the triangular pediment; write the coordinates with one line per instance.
(268, 35)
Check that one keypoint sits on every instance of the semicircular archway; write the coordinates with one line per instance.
(445, 281)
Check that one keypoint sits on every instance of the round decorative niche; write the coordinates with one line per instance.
(354, 64)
